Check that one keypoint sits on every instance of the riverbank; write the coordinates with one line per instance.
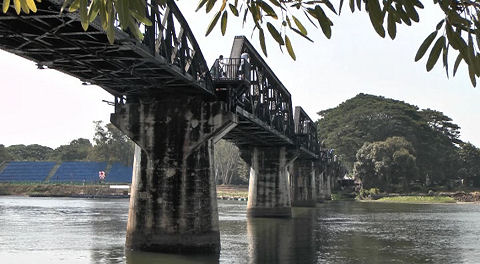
(224, 192)
(417, 199)
(442, 197)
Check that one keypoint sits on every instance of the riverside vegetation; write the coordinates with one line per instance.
(398, 148)
(386, 145)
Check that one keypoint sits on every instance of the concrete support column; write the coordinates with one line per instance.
(173, 206)
(320, 180)
(302, 182)
(268, 192)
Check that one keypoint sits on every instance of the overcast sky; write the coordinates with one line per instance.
(50, 108)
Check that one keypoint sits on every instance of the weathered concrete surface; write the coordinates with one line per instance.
(173, 205)
(268, 194)
(303, 184)
(322, 179)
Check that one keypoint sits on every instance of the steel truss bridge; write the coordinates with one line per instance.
(169, 60)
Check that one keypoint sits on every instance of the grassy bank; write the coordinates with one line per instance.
(232, 191)
(36, 189)
(417, 199)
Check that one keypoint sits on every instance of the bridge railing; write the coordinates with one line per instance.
(227, 69)
(171, 38)
(306, 131)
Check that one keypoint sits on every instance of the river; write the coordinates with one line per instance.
(63, 230)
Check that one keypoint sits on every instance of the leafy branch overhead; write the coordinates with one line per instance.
(457, 32)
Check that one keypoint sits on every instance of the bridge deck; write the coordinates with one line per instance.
(59, 42)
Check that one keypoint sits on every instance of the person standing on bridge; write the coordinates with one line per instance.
(244, 69)
(217, 70)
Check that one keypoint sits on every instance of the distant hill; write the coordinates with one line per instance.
(368, 118)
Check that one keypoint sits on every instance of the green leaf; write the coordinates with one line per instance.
(233, 9)
(471, 55)
(440, 24)
(445, 59)
(32, 6)
(65, 4)
(261, 37)
(201, 4)
(376, 17)
(84, 14)
(213, 23)
(24, 6)
(275, 34)
(330, 6)
(223, 25)
(290, 48)
(93, 11)
(73, 7)
(301, 34)
(411, 12)
(435, 53)
(103, 15)
(424, 47)
(255, 12)
(324, 21)
(402, 14)
(340, 7)
(300, 26)
(18, 6)
(457, 63)
(110, 21)
(392, 28)
(268, 9)
(210, 5)
(471, 73)
(275, 2)
(6, 5)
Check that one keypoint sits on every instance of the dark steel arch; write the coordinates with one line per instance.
(167, 60)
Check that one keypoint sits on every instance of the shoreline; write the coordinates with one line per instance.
(420, 198)
(108, 191)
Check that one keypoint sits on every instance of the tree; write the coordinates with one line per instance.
(442, 124)
(470, 164)
(78, 149)
(368, 118)
(29, 153)
(111, 145)
(386, 164)
(458, 30)
(229, 167)
(4, 155)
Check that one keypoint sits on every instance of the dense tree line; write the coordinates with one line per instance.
(390, 144)
(109, 144)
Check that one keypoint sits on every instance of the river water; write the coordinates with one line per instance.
(63, 230)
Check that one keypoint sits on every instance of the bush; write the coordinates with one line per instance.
(368, 194)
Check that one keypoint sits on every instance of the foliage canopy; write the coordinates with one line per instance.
(368, 118)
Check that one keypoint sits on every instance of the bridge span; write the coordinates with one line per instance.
(174, 107)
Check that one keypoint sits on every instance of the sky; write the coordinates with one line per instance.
(50, 108)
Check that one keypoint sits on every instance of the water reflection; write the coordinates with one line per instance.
(390, 233)
(157, 258)
(282, 240)
(54, 231)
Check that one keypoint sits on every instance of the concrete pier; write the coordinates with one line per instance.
(303, 184)
(322, 181)
(268, 192)
(173, 205)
